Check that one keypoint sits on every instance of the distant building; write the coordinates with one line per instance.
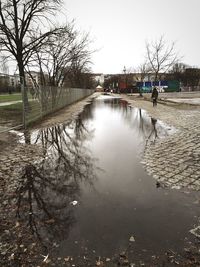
(9, 83)
(33, 79)
(98, 77)
(14, 80)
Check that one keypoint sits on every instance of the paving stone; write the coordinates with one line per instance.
(179, 153)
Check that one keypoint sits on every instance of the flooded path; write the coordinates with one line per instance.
(98, 194)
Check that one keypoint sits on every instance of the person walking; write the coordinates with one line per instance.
(154, 96)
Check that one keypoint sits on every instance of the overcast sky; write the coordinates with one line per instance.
(120, 28)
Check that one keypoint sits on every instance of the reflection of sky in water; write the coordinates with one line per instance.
(110, 113)
(137, 119)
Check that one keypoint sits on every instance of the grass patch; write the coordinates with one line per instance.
(15, 107)
(10, 97)
(11, 114)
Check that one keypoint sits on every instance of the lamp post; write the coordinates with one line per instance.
(124, 70)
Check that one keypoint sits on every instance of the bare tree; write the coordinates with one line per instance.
(21, 22)
(144, 68)
(80, 73)
(64, 55)
(76, 60)
(55, 56)
(177, 72)
(4, 65)
(187, 75)
(160, 56)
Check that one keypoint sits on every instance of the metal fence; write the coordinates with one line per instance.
(11, 114)
(30, 104)
(48, 99)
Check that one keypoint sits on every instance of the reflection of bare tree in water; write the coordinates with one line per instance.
(117, 104)
(44, 204)
(154, 132)
(142, 124)
(80, 129)
(147, 127)
(49, 186)
(134, 117)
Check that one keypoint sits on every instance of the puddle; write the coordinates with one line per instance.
(92, 187)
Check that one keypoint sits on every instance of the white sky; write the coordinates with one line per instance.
(120, 28)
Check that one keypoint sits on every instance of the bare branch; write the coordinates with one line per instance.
(160, 56)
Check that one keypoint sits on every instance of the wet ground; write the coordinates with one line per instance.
(87, 198)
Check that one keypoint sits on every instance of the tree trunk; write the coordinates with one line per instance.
(156, 76)
(23, 85)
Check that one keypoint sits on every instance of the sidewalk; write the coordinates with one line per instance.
(190, 101)
(191, 98)
(9, 103)
(173, 161)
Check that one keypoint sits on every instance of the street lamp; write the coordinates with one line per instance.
(124, 70)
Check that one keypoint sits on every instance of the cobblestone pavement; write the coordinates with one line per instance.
(174, 161)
